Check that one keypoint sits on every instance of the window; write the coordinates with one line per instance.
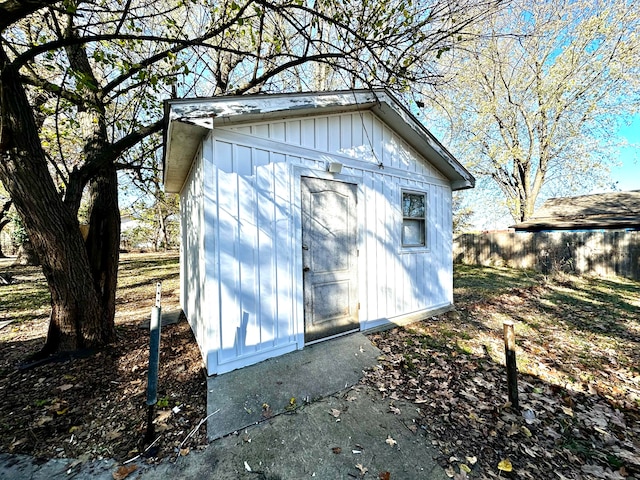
(413, 219)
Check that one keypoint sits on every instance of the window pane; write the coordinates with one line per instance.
(413, 232)
(413, 205)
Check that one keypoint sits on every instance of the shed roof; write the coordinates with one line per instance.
(188, 120)
(609, 211)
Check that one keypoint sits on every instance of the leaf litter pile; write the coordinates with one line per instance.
(95, 407)
(578, 354)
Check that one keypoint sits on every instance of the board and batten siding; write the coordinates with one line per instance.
(192, 271)
(251, 187)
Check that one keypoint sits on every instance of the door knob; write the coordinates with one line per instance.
(306, 269)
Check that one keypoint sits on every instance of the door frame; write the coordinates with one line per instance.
(297, 276)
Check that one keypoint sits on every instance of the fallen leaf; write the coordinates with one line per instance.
(529, 416)
(390, 441)
(595, 470)
(567, 410)
(465, 468)
(124, 471)
(336, 450)
(513, 430)
(184, 452)
(163, 416)
(65, 387)
(113, 434)
(384, 476)
(472, 460)
(293, 404)
(335, 413)
(44, 420)
(362, 468)
(395, 410)
(505, 465)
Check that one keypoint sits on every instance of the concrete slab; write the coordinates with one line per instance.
(240, 397)
(325, 440)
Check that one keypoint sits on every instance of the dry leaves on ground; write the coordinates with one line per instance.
(577, 420)
(95, 407)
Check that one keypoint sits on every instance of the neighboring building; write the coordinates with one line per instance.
(307, 216)
(602, 211)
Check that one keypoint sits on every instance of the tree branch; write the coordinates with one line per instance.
(13, 10)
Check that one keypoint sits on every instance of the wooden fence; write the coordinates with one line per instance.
(615, 253)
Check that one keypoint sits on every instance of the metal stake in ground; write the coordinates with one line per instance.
(154, 362)
(512, 369)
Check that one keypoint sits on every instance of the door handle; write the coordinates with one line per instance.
(306, 269)
(305, 247)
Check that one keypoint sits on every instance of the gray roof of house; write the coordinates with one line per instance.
(602, 211)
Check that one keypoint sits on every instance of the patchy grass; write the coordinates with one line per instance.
(26, 297)
(578, 352)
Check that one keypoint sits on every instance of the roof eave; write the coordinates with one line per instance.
(188, 120)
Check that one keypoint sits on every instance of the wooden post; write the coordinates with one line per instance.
(512, 369)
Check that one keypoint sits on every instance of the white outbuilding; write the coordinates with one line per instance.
(307, 216)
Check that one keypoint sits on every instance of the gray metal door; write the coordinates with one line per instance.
(329, 258)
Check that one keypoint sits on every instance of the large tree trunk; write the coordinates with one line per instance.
(103, 243)
(103, 239)
(76, 314)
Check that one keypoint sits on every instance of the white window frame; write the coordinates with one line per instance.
(412, 246)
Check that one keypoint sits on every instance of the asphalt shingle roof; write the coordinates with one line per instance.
(608, 211)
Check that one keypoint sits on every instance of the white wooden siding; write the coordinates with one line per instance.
(361, 136)
(192, 266)
(251, 183)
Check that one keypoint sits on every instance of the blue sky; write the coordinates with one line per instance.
(628, 174)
